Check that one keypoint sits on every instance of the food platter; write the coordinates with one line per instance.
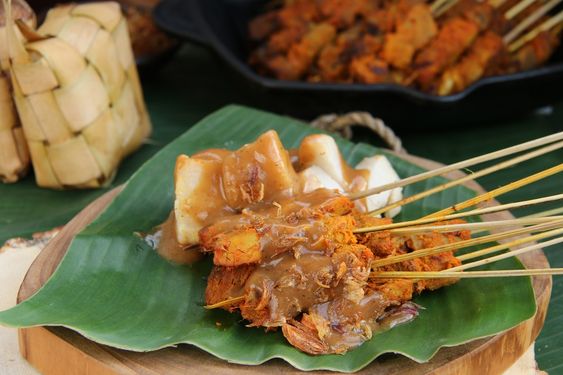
(221, 26)
(524, 334)
(74, 353)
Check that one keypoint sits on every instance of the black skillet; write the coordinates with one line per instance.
(222, 26)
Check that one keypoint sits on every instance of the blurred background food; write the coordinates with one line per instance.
(440, 47)
(324, 50)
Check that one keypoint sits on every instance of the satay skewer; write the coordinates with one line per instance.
(546, 230)
(460, 165)
(224, 303)
(436, 5)
(469, 177)
(472, 226)
(440, 7)
(503, 256)
(476, 212)
(529, 21)
(506, 255)
(552, 212)
(234, 300)
(499, 191)
(518, 8)
(545, 26)
(465, 275)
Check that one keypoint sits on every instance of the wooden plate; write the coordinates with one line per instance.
(60, 351)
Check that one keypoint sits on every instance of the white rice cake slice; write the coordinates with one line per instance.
(314, 178)
(381, 173)
(322, 151)
(198, 196)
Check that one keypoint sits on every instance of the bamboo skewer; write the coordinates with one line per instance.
(499, 191)
(486, 210)
(468, 243)
(507, 245)
(469, 177)
(444, 8)
(529, 21)
(545, 26)
(440, 4)
(552, 212)
(224, 303)
(470, 226)
(507, 254)
(518, 8)
(465, 275)
(460, 165)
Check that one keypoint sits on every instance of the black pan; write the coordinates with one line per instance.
(222, 26)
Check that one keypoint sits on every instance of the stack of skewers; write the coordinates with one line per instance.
(439, 47)
(318, 262)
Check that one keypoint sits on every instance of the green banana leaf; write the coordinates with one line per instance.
(114, 289)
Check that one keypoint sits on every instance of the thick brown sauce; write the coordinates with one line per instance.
(169, 248)
(294, 285)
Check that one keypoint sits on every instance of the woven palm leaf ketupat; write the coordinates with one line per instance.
(79, 96)
(14, 156)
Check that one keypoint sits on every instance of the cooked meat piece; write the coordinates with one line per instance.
(473, 65)
(284, 287)
(263, 25)
(453, 39)
(413, 33)
(224, 283)
(536, 52)
(273, 229)
(368, 69)
(300, 55)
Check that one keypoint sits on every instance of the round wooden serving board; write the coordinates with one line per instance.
(60, 351)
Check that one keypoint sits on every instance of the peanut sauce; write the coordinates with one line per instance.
(293, 285)
(259, 177)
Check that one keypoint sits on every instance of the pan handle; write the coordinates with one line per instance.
(177, 18)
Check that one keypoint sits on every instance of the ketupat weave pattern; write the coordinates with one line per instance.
(79, 96)
(14, 156)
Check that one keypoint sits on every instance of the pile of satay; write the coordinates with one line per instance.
(439, 47)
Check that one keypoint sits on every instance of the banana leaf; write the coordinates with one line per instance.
(114, 289)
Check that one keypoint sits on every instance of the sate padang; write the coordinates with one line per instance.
(280, 228)
(394, 41)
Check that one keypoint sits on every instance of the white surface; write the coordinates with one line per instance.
(14, 263)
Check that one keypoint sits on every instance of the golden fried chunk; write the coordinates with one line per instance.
(301, 55)
(455, 36)
(237, 248)
(473, 65)
(258, 237)
(368, 69)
